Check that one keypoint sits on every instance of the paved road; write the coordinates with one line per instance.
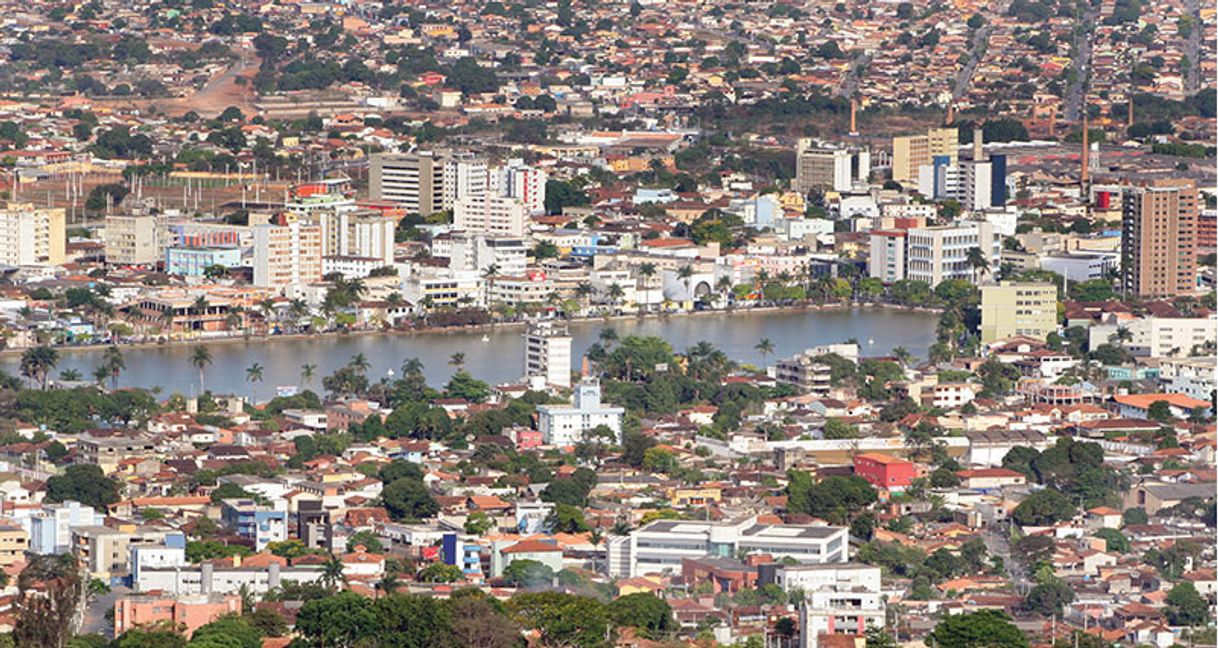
(997, 539)
(95, 616)
(980, 40)
(850, 83)
(1081, 65)
(1192, 47)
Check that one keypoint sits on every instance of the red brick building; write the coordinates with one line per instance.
(885, 472)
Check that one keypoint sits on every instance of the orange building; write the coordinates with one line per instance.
(187, 613)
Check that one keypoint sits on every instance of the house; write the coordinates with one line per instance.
(1155, 497)
(186, 612)
(546, 553)
(985, 478)
(1138, 405)
(1103, 517)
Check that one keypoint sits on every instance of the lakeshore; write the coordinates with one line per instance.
(494, 352)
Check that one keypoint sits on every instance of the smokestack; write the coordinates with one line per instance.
(951, 113)
(1086, 150)
(854, 109)
(977, 151)
(1129, 116)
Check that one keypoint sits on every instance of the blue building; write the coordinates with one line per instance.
(456, 552)
(998, 180)
(51, 528)
(250, 520)
(192, 261)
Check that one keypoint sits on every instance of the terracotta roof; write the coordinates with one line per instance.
(530, 546)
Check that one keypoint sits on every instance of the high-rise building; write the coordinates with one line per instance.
(977, 185)
(1158, 239)
(359, 234)
(567, 425)
(465, 174)
(825, 167)
(1012, 308)
(911, 152)
(32, 236)
(523, 182)
(886, 260)
(416, 180)
(131, 239)
(493, 214)
(936, 254)
(547, 353)
(287, 254)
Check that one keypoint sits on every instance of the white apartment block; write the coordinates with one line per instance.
(464, 175)
(287, 255)
(518, 180)
(1160, 337)
(491, 214)
(547, 353)
(131, 239)
(1193, 377)
(508, 256)
(658, 547)
(565, 425)
(531, 288)
(32, 236)
(346, 233)
(936, 254)
(427, 286)
(886, 260)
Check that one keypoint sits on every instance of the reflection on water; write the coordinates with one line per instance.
(499, 358)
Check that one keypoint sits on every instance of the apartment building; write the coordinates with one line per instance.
(911, 152)
(523, 182)
(1159, 337)
(14, 540)
(886, 260)
(364, 234)
(261, 524)
(1194, 377)
(188, 613)
(565, 425)
(936, 254)
(106, 452)
(1159, 238)
(414, 180)
(131, 239)
(32, 236)
(491, 214)
(547, 353)
(477, 252)
(51, 527)
(287, 254)
(1018, 308)
(660, 546)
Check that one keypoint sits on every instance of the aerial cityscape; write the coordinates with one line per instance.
(637, 324)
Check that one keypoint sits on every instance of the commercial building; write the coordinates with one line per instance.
(829, 168)
(287, 254)
(1018, 308)
(32, 236)
(936, 254)
(258, 579)
(660, 546)
(547, 354)
(414, 180)
(565, 425)
(1158, 239)
(1081, 266)
(1159, 337)
(885, 471)
(186, 613)
(131, 239)
(194, 261)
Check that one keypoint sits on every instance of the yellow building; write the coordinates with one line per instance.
(682, 497)
(13, 542)
(912, 151)
(1018, 308)
(32, 236)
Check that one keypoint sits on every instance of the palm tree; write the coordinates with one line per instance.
(615, 293)
(332, 573)
(359, 362)
(902, 355)
(235, 318)
(200, 358)
(167, 318)
(307, 372)
(253, 375)
(765, 347)
(267, 306)
(412, 366)
(200, 306)
(37, 363)
(724, 286)
(100, 374)
(684, 274)
(113, 360)
(389, 582)
(977, 260)
(1120, 336)
(647, 271)
(457, 359)
(608, 336)
(70, 375)
(298, 308)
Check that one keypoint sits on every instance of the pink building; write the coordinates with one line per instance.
(186, 612)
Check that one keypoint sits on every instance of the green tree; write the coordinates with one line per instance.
(983, 629)
(1115, 540)
(438, 572)
(365, 539)
(1048, 599)
(528, 573)
(478, 523)
(1043, 508)
(227, 631)
(562, 619)
(1186, 606)
(567, 519)
(84, 483)
(409, 499)
(344, 620)
(645, 611)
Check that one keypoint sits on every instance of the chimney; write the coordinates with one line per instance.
(1129, 116)
(1086, 161)
(951, 113)
(584, 371)
(854, 108)
(978, 136)
(236, 560)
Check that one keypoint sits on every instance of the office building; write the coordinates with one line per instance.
(936, 254)
(1013, 308)
(566, 425)
(911, 152)
(976, 191)
(256, 579)
(1158, 239)
(32, 236)
(829, 168)
(547, 354)
(287, 254)
(194, 262)
(998, 180)
(886, 260)
(415, 180)
(131, 239)
(1080, 266)
(659, 547)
